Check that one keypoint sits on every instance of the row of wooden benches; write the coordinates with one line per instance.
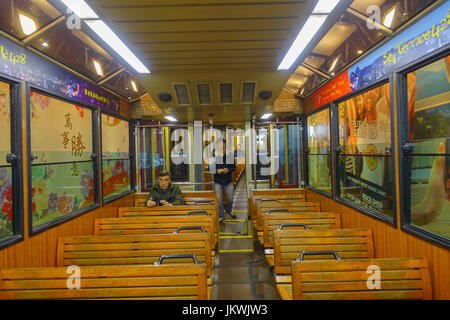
(145, 253)
(314, 258)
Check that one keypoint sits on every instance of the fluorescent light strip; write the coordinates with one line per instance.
(105, 33)
(170, 118)
(304, 37)
(81, 9)
(266, 116)
(334, 64)
(98, 68)
(325, 6)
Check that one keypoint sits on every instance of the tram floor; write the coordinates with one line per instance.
(241, 271)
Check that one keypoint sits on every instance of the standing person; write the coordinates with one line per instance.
(164, 193)
(223, 179)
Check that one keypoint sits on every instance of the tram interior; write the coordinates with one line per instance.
(335, 115)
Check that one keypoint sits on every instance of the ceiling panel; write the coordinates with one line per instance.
(208, 40)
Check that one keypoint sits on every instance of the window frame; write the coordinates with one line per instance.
(388, 79)
(132, 157)
(16, 89)
(94, 156)
(403, 138)
(307, 153)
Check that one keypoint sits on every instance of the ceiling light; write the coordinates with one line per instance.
(133, 84)
(389, 18)
(170, 118)
(325, 6)
(266, 116)
(28, 24)
(98, 68)
(303, 90)
(81, 9)
(333, 65)
(308, 31)
(105, 33)
(359, 52)
(45, 44)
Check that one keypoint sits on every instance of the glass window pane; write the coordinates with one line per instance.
(429, 134)
(62, 174)
(365, 139)
(319, 172)
(6, 187)
(58, 190)
(60, 131)
(115, 156)
(6, 203)
(5, 122)
(319, 144)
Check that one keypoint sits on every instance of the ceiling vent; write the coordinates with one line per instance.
(165, 97)
(182, 92)
(248, 92)
(266, 94)
(204, 93)
(226, 93)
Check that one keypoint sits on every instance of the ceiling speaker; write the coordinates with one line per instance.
(266, 94)
(165, 97)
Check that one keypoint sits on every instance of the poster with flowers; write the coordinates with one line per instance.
(6, 208)
(115, 156)
(62, 173)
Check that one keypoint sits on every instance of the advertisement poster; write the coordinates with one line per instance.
(115, 156)
(21, 63)
(6, 209)
(429, 111)
(365, 138)
(62, 174)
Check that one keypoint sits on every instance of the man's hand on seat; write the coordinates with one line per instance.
(164, 203)
(150, 203)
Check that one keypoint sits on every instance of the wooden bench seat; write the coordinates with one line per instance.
(321, 220)
(185, 281)
(132, 249)
(406, 278)
(291, 206)
(155, 225)
(258, 194)
(347, 243)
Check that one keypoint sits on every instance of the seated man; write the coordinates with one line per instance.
(163, 193)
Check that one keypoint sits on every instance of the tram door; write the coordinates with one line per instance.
(289, 143)
(179, 169)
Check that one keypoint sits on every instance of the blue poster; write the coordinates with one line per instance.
(427, 35)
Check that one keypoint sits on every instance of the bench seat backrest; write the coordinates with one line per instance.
(292, 206)
(132, 249)
(313, 220)
(347, 243)
(154, 225)
(406, 278)
(183, 281)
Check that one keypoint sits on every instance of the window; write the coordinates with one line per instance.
(318, 151)
(11, 226)
(116, 162)
(62, 167)
(427, 150)
(364, 170)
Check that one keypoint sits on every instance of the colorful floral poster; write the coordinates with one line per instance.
(6, 208)
(115, 156)
(62, 172)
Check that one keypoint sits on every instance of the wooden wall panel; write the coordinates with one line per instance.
(40, 249)
(391, 243)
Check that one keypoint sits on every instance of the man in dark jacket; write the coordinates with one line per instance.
(223, 179)
(163, 193)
